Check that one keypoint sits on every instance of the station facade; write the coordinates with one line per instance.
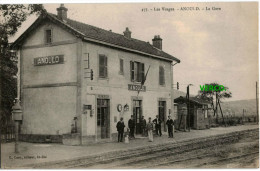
(76, 75)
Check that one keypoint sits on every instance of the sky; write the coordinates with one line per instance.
(213, 45)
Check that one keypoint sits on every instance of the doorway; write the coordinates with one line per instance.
(103, 119)
(137, 113)
(190, 116)
(162, 113)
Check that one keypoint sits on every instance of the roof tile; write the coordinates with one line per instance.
(115, 38)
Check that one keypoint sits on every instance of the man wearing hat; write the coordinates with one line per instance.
(158, 127)
(131, 126)
(120, 129)
(170, 125)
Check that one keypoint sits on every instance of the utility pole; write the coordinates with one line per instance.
(257, 104)
(216, 108)
(188, 97)
(223, 120)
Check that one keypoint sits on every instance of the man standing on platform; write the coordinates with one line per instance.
(120, 129)
(131, 126)
(143, 126)
(157, 123)
(170, 125)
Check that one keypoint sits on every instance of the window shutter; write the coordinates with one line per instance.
(101, 69)
(102, 66)
(135, 71)
(142, 72)
(161, 76)
(105, 66)
(132, 71)
(121, 66)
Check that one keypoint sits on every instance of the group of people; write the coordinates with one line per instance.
(146, 127)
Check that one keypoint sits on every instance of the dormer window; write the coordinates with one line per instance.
(48, 36)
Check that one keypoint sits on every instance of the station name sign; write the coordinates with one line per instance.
(133, 87)
(49, 60)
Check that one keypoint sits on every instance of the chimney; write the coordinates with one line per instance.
(157, 42)
(127, 33)
(62, 12)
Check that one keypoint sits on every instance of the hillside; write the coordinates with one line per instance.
(238, 106)
(230, 107)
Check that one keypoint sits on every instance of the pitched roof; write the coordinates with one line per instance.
(178, 93)
(92, 33)
(192, 99)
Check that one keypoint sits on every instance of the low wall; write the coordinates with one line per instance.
(35, 138)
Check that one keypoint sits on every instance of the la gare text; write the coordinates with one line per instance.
(171, 9)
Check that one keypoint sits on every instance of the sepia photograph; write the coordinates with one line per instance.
(129, 85)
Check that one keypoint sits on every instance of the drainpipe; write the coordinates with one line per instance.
(172, 94)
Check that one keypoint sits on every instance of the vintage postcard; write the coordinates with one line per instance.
(129, 85)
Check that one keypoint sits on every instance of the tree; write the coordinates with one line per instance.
(210, 94)
(11, 18)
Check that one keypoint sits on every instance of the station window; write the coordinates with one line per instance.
(102, 66)
(137, 71)
(161, 76)
(48, 36)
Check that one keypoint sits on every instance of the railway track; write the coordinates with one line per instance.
(139, 157)
(142, 161)
(153, 153)
(207, 161)
(251, 155)
(183, 158)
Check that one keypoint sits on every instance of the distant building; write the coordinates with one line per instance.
(199, 114)
(177, 94)
(58, 57)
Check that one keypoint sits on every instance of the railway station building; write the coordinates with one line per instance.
(77, 76)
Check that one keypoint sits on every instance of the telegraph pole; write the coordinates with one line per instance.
(216, 108)
(257, 105)
(188, 97)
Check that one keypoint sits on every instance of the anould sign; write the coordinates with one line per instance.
(49, 60)
(133, 87)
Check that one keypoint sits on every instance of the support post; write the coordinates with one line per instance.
(17, 117)
(16, 148)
